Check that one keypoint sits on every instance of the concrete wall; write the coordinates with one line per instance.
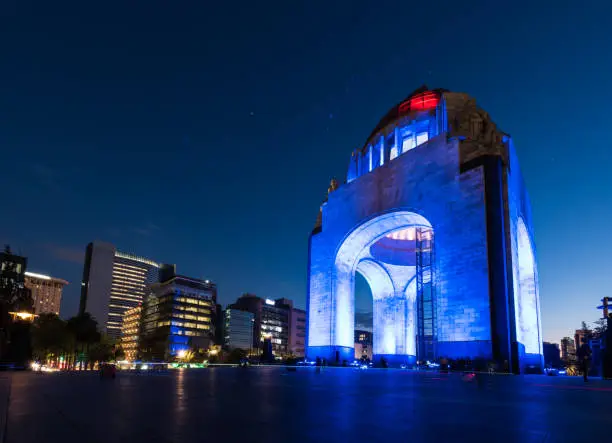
(525, 289)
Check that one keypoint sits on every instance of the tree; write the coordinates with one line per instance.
(84, 328)
(102, 351)
(236, 355)
(51, 337)
(119, 353)
(601, 327)
(585, 327)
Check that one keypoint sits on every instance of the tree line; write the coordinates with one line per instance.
(75, 343)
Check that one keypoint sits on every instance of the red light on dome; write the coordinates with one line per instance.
(420, 102)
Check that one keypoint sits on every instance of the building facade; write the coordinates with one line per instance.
(435, 216)
(581, 337)
(363, 345)
(114, 282)
(46, 292)
(130, 332)
(276, 322)
(568, 350)
(178, 315)
(12, 277)
(238, 329)
(297, 333)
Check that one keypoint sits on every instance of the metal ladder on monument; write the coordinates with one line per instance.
(425, 295)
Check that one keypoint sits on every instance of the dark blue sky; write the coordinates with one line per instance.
(205, 135)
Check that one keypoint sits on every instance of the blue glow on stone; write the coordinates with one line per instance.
(428, 179)
(526, 295)
(333, 323)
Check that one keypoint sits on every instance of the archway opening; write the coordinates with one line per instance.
(363, 319)
(393, 254)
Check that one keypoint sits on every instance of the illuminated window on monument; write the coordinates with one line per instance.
(408, 143)
(393, 153)
(421, 138)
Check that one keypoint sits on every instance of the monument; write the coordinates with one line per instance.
(435, 216)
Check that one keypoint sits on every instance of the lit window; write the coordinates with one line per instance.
(408, 143)
(421, 138)
(393, 153)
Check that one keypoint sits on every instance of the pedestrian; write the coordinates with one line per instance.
(584, 356)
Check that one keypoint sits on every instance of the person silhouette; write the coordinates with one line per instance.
(584, 356)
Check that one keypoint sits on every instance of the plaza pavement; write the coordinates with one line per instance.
(275, 405)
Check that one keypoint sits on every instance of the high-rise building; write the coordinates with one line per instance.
(297, 333)
(130, 332)
(46, 292)
(177, 316)
(238, 329)
(568, 350)
(114, 282)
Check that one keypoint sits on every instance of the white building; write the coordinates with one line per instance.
(114, 282)
(46, 292)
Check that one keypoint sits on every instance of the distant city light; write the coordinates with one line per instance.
(270, 302)
(181, 354)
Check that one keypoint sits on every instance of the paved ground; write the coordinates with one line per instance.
(274, 405)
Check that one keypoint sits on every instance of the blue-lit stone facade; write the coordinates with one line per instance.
(434, 203)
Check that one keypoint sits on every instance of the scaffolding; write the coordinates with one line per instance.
(425, 295)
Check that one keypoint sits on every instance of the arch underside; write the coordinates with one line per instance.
(393, 286)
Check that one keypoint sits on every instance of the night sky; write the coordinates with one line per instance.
(206, 135)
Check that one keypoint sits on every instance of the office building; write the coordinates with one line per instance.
(363, 345)
(12, 280)
(46, 292)
(177, 316)
(582, 336)
(273, 322)
(238, 329)
(297, 333)
(435, 215)
(12, 269)
(130, 332)
(114, 282)
(568, 350)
